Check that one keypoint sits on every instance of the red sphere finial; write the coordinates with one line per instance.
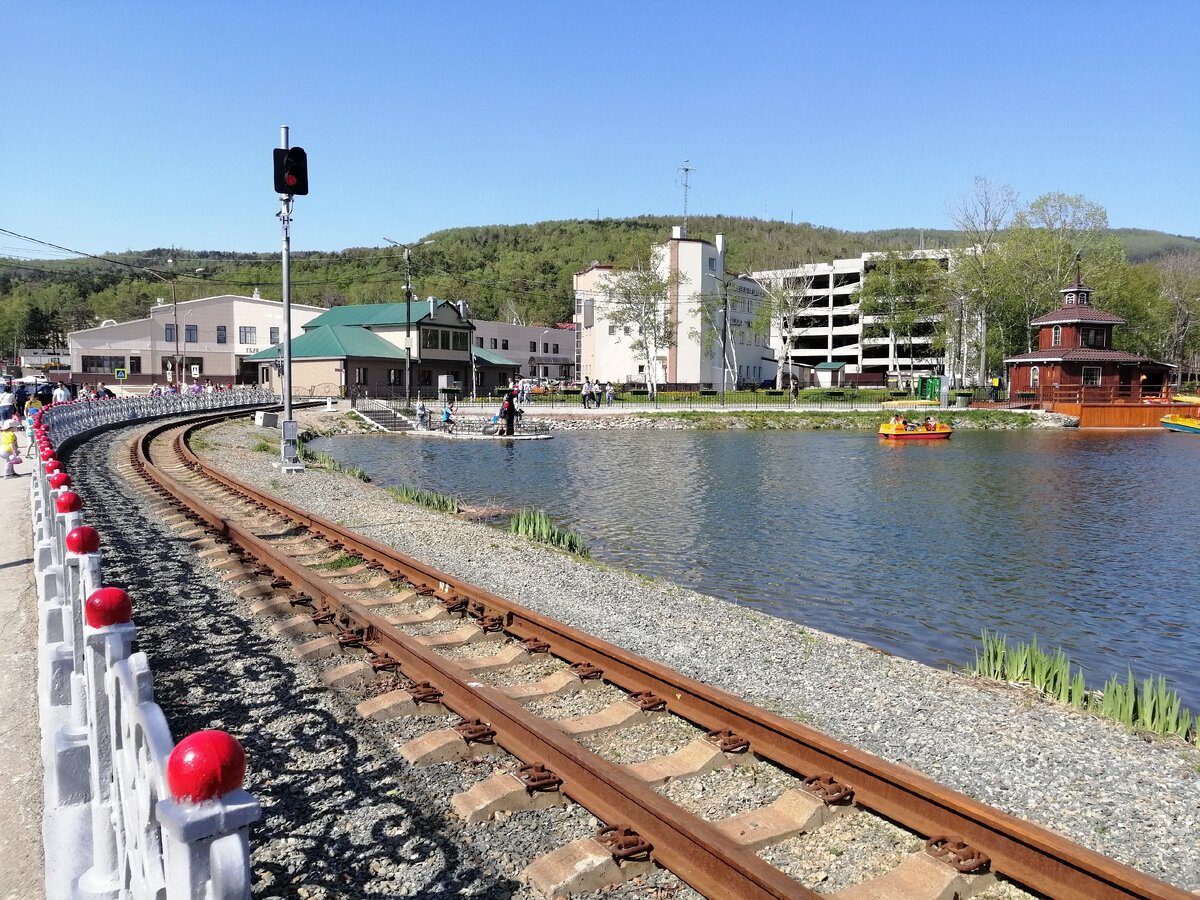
(83, 539)
(47, 455)
(69, 502)
(205, 765)
(59, 480)
(53, 466)
(107, 606)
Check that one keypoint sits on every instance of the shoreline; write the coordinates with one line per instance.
(998, 743)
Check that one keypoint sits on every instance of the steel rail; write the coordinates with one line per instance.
(1029, 854)
(688, 846)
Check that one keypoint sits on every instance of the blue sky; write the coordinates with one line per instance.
(132, 125)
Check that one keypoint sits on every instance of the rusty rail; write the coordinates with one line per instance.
(690, 847)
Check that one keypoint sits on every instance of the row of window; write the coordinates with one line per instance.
(1091, 376)
(1088, 337)
(546, 346)
(443, 339)
(106, 365)
(247, 334)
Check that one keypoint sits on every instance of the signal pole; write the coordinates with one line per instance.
(289, 455)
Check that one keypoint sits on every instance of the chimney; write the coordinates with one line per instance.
(720, 242)
(432, 306)
(679, 232)
(462, 309)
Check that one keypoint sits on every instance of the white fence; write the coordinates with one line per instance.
(128, 813)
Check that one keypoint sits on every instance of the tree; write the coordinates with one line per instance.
(784, 300)
(1179, 293)
(981, 217)
(638, 298)
(902, 297)
(1037, 259)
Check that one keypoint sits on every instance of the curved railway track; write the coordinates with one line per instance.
(392, 618)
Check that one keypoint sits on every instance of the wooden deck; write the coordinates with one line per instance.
(1118, 415)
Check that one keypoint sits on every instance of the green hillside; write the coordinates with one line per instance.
(504, 271)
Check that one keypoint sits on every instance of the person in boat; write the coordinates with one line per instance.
(896, 420)
(931, 423)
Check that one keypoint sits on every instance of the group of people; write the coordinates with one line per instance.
(930, 423)
(593, 392)
(18, 405)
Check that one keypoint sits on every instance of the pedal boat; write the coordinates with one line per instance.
(914, 432)
(1175, 422)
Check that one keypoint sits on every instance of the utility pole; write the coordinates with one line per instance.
(291, 178)
(408, 295)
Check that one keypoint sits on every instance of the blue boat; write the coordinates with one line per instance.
(1176, 422)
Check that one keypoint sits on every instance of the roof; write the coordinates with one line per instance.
(368, 314)
(1079, 354)
(492, 359)
(1069, 314)
(831, 365)
(334, 341)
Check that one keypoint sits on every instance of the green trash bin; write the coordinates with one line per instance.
(962, 401)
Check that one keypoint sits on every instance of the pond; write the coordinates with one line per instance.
(1085, 539)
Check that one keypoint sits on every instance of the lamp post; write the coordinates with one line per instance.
(408, 249)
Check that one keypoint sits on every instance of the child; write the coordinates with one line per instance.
(8, 447)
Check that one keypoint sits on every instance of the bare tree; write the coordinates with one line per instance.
(784, 299)
(981, 216)
(638, 298)
(1179, 292)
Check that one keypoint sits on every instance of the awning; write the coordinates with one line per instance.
(552, 360)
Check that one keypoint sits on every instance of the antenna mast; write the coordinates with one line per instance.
(685, 169)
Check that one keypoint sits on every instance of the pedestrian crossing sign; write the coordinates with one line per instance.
(120, 374)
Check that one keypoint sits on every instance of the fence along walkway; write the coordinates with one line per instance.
(128, 812)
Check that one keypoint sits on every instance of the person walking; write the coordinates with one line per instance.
(608, 393)
(8, 402)
(8, 447)
(61, 393)
(596, 392)
(586, 392)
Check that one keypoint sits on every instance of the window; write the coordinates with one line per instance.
(1056, 336)
(479, 342)
(1092, 337)
(533, 346)
(494, 342)
(104, 365)
(612, 329)
(395, 377)
(247, 334)
(554, 349)
(274, 335)
(1091, 376)
(220, 334)
(504, 345)
(1035, 377)
(135, 365)
(360, 375)
(461, 340)
(426, 378)
(712, 264)
(169, 334)
(193, 362)
(191, 334)
(445, 336)
(429, 339)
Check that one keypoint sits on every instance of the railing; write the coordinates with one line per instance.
(162, 820)
(463, 424)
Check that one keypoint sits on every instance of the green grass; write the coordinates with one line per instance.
(345, 561)
(262, 445)
(537, 526)
(849, 419)
(322, 460)
(428, 499)
(1153, 708)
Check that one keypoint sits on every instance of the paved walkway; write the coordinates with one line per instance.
(21, 872)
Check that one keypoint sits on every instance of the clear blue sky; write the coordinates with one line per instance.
(132, 125)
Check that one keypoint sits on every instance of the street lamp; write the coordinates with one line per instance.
(408, 249)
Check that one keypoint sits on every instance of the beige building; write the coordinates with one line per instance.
(700, 303)
(209, 339)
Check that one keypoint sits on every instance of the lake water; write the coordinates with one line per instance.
(1086, 539)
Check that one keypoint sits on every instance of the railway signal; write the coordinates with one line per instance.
(291, 171)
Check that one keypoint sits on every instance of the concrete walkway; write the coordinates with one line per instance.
(21, 869)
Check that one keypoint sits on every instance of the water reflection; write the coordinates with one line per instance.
(1078, 537)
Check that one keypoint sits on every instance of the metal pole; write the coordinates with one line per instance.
(959, 356)
(285, 218)
(178, 357)
(407, 325)
(724, 336)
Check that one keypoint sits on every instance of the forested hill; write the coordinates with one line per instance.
(506, 272)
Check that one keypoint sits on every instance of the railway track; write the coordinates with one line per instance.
(416, 641)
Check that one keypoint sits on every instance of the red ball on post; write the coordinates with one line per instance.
(108, 606)
(83, 539)
(59, 480)
(69, 502)
(205, 765)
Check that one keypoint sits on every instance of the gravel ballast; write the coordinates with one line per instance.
(1127, 797)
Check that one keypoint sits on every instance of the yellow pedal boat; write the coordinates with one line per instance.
(914, 431)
